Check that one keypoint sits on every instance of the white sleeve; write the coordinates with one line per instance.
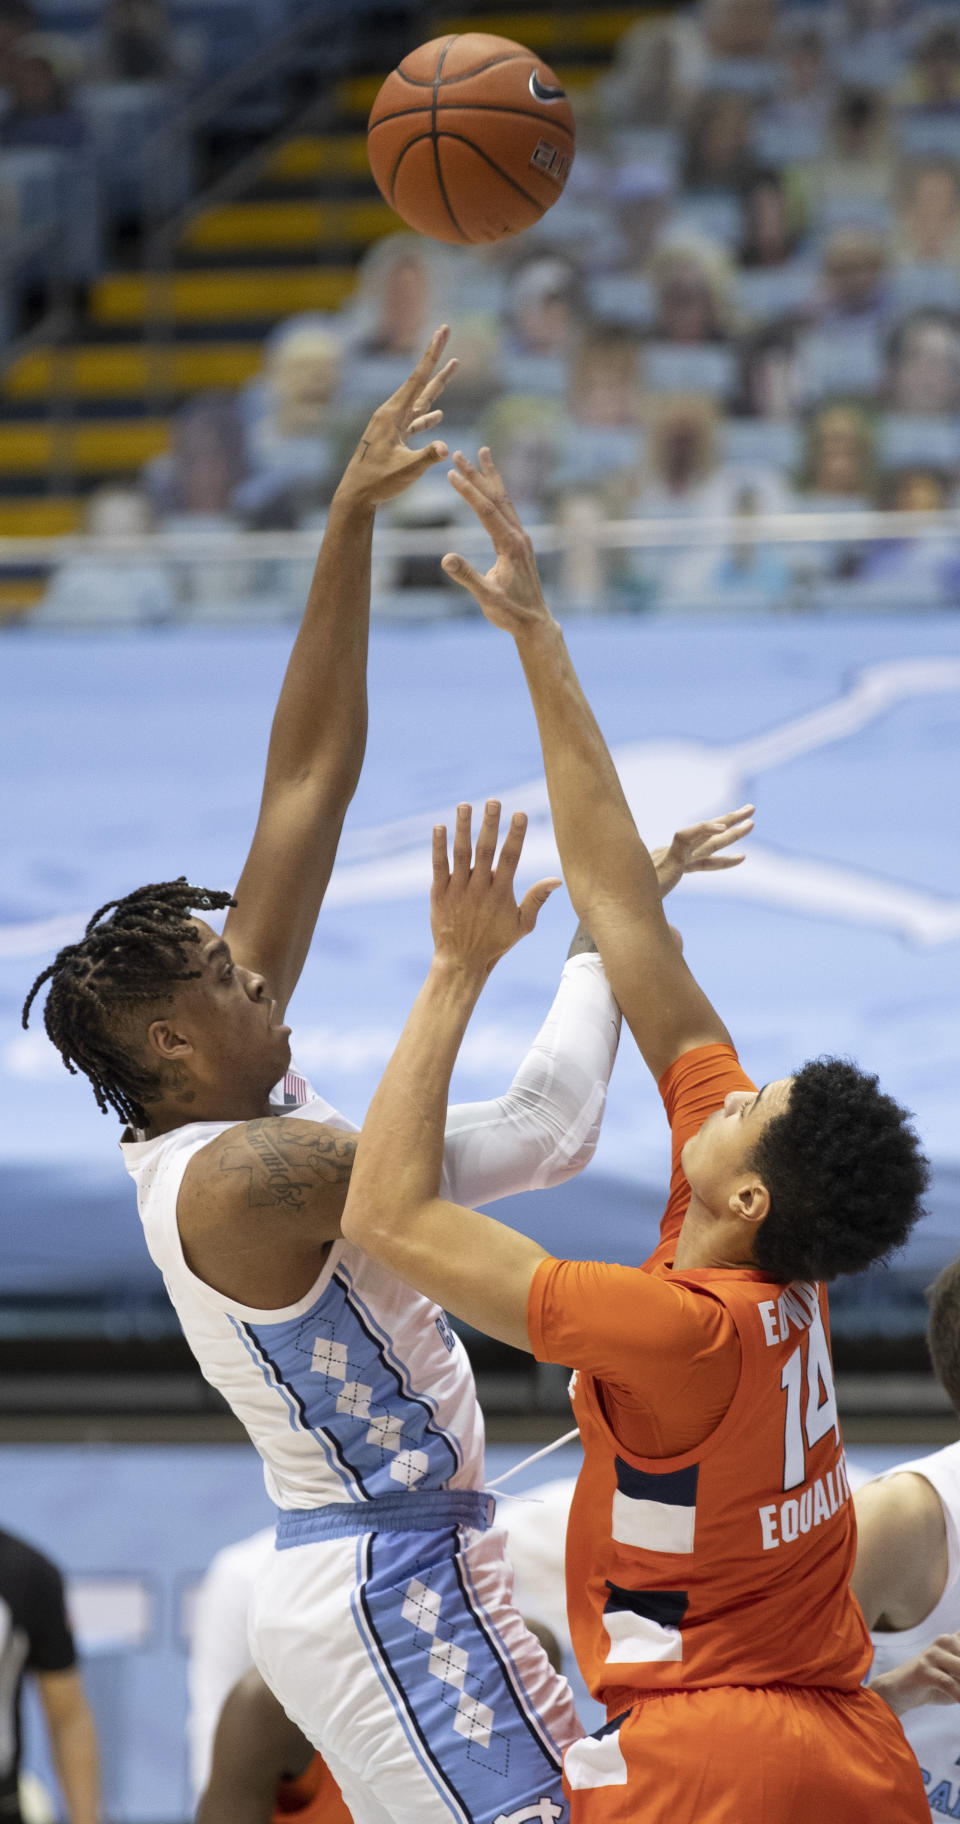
(544, 1130)
(219, 1650)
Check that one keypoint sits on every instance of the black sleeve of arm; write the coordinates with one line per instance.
(52, 1646)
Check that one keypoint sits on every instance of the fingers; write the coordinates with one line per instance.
(461, 572)
(487, 840)
(489, 512)
(742, 815)
(487, 480)
(413, 386)
(494, 482)
(425, 422)
(462, 845)
(435, 387)
(512, 846)
(422, 460)
(533, 902)
(441, 865)
(699, 846)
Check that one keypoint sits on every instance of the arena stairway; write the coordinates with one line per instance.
(290, 244)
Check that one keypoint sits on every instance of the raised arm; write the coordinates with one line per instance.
(469, 1263)
(544, 1130)
(608, 869)
(319, 728)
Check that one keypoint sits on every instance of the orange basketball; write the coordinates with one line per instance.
(471, 138)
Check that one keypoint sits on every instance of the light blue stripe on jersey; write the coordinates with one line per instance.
(267, 1370)
(534, 1721)
(298, 1417)
(443, 1663)
(395, 1695)
(394, 1361)
(334, 1367)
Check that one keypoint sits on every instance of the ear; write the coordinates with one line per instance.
(750, 1202)
(166, 1041)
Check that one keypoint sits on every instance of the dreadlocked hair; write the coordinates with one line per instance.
(127, 961)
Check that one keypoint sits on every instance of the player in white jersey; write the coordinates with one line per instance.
(907, 1577)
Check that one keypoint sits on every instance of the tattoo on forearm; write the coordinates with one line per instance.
(365, 445)
(283, 1168)
(583, 943)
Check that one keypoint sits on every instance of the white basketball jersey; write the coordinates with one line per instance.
(933, 1730)
(359, 1390)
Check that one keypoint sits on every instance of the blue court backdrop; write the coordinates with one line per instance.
(133, 758)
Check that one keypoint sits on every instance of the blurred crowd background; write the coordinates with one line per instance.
(746, 303)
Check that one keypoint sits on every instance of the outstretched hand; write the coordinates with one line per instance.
(473, 913)
(510, 593)
(382, 465)
(697, 850)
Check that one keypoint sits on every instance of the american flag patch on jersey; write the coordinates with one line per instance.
(296, 1089)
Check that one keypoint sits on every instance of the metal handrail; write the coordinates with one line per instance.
(613, 534)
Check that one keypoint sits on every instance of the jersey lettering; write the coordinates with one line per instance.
(783, 1522)
(821, 1403)
(797, 1305)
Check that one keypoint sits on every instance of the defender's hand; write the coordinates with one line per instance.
(382, 466)
(473, 913)
(933, 1677)
(697, 850)
(510, 594)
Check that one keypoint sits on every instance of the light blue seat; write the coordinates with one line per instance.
(841, 359)
(925, 286)
(122, 118)
(57, 186)
(671, 367)
(620, 297)
(762, 440)
(778, 142)
(766, 294)
(854, 212)
(717, 215)
(929, 135)
(906, 439)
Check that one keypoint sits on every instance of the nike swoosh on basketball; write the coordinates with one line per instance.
(543, 91)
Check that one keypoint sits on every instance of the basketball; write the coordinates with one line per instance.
(471, 138)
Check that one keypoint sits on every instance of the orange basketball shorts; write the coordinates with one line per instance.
(778, 1754)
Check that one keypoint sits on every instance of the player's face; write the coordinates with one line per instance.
(228, 1018)
(719, 1154)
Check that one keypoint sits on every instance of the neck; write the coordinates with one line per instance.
(207, 1103)
(706, 1240)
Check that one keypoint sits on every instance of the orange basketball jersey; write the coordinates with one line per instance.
(727, 1563)
(314, 1798)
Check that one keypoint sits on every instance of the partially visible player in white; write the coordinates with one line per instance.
(219, 1642)
(907, 1577)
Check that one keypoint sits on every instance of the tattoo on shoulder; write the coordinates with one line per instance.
(284, 1166)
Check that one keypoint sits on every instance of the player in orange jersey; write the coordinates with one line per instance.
(711, 1536)
(263, 1770)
